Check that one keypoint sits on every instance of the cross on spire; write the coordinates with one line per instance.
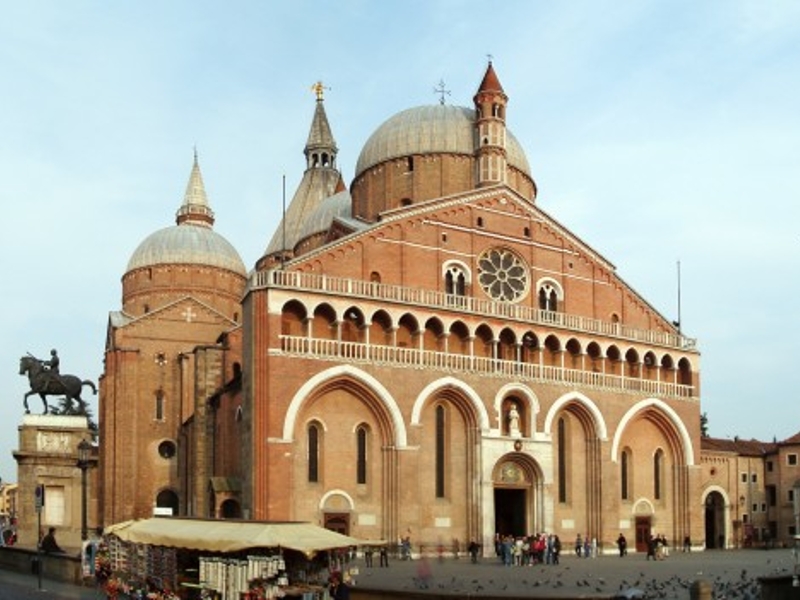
(441, 90)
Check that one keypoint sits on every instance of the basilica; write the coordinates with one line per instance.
(422, 352)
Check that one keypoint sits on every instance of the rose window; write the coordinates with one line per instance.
(502, 275)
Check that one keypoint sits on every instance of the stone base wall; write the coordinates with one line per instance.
(59, 567)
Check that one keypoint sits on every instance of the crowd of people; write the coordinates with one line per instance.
(545, 549)
(540, 548)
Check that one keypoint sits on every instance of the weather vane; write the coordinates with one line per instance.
(319, 89)
(441, 90)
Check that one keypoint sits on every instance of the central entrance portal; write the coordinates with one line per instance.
(510, 512)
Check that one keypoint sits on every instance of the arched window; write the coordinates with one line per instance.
(159, 404)
(562, 460)
(440, 451)
(455, 282)
(548, 300)
(658, 473)
(624, 478)
(549, 294)
(313, 453)
(362, 435)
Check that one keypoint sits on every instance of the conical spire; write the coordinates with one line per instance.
(320, 181)
(195, 208)
(320, 148)
(490, 82)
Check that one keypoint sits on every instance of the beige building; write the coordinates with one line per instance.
(748, 491)
(8, 499)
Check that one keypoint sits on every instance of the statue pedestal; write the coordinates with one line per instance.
(48, 455)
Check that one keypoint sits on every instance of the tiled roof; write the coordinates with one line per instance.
(737, 446)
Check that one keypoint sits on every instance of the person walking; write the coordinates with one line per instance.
(556, 548)
(651, 548)
(622, 544)
(368, 556)
(383, 556)
(473, 551)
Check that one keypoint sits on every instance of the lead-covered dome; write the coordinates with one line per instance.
(193, 240)
(187, 243)
(431, 129)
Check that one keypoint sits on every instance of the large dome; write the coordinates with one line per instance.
(430, 129)
(187, 244)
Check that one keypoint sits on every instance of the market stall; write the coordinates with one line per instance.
(168, 558)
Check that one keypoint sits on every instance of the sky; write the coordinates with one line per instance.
(661, 133)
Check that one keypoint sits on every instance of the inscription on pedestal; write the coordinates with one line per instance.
(53, 442)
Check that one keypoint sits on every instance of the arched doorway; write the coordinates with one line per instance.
(643, 522)
(517, 505)
(338, 522)
(230, 509)
(167, 503)
(715, 520)
(337, 509)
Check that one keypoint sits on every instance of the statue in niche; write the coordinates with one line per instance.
(513, 421)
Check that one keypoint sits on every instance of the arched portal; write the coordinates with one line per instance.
(336, 512)
(230, 509)
(715, 520)
(643, 522)
(167, 502)
(518, 503)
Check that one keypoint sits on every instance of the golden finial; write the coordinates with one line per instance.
(319, 90)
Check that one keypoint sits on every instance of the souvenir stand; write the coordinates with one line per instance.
(168, 558)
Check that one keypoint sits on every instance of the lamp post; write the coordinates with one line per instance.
(84, 448)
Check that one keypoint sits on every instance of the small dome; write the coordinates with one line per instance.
(187, 244)
(431, 129)
(338, 205)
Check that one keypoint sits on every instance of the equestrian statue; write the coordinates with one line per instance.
(46, 380)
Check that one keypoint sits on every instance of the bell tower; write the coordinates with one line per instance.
(490, 122)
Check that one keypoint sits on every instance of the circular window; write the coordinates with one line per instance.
(167, 449)
(502, 275)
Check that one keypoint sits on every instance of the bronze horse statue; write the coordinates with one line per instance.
(45, 383)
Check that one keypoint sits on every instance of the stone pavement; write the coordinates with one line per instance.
(732, 573)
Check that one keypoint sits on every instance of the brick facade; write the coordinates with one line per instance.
(363, 378)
